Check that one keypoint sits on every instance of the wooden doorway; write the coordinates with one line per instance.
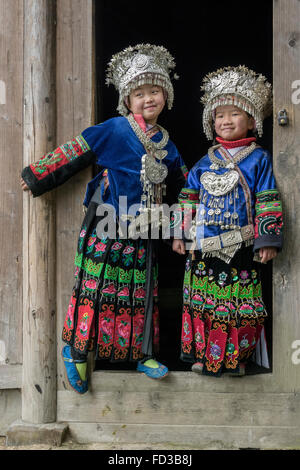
(202, 38)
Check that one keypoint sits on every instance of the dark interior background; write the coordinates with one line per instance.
(202, 37)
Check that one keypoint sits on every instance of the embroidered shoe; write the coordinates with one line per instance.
(80, 386)
(197, 367)
(154, 373)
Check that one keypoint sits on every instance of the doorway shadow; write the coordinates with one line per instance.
(202, 37)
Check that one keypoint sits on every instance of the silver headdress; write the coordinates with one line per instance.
(139, 65)
(238, 86)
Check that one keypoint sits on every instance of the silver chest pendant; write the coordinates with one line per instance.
(219, 195)
(154, 171)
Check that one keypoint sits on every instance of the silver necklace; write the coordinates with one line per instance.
(237, 158)
(152, 170)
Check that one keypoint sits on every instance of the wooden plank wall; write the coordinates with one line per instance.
(286, 268)
(75, 112)
(11, 140)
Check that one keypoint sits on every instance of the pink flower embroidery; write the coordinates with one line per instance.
(83, 328)
(128, 249)
(140, 293)
(100, 246)
(108, 326)
(124, 329)
(91, 284)
(124, 292)
(244, 275)
(82, 233)
(116, 246)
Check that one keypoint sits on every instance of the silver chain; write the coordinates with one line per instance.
(150, 146)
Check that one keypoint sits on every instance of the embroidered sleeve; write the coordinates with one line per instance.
(268, 219)
(56, 167)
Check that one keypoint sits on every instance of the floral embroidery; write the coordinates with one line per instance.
(100, 248)
(123, 293)
(90, 285)
(59, 157)
(107, 329)
(83, 327)
(123, 332)
(230, 349)
(110, 290)
(215, 350)
(244, 275)
(128, 250)
(234, 274)
(198, 338)
(268, 208)
(244, 343)
(141, 255)
(200, 270)
(197, 299)
(138, 331)
(140, 293)
(128, 255)
(222, 278)
(116, 246)
(221, 310)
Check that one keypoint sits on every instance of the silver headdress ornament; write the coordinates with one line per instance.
(238, 86)
(139, 65)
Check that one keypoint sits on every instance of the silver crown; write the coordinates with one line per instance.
(238, 86)
(139, 65)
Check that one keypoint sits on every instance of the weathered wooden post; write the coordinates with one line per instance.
(39, 351)
(39, 293)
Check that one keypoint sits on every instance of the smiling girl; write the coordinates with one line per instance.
(114, 306)
(232, 196)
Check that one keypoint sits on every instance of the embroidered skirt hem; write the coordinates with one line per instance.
(223, 312)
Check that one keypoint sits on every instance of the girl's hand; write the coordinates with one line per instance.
(24, 185)
(178, 246)
(267, 253)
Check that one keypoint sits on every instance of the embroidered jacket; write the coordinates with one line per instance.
(233, 203)
(113, 145)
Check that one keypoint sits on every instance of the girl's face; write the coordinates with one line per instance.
(232, 123)
(147, 100)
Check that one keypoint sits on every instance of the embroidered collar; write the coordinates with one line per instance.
(229, 144)
(233, 160)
